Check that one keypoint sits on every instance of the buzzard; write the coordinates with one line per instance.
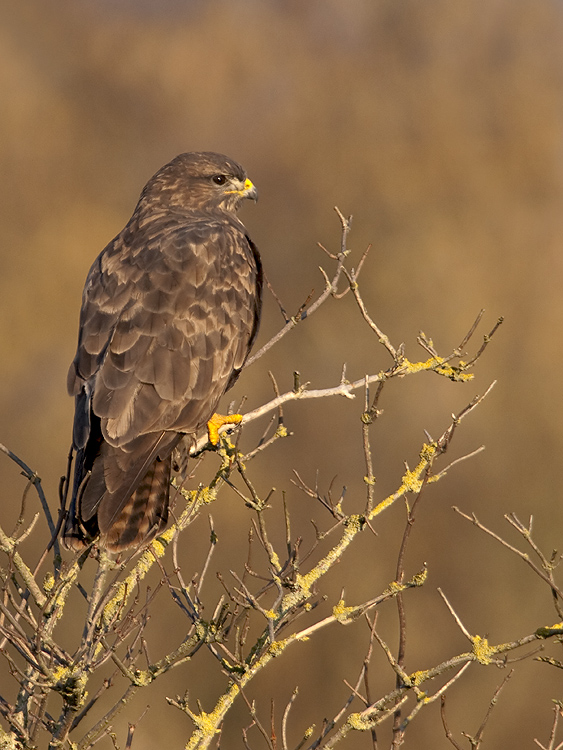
(170, 311)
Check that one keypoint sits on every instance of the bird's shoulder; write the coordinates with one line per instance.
(163, 244)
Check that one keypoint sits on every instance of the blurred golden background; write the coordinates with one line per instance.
(439, 126)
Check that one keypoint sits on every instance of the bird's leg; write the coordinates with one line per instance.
(219, 420)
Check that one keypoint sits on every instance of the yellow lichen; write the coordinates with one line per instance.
(207, 495)
(48, 582)
(436, 364)
(483, 652)
(359, 722)
(549, 630)
(159, 547)
(454, 373)
(277, 648)
(428, 451)
(419, 579)
(55, 605)
(204, 722)
(8, 741)
(143, 677)
(344, 615)
(384, 504)
(411, 482)
(117, 600)
(352, 525)
(275, 560)
(416, 678)
(412, 367)
(395, 588)
(71, 684)
(61, 673)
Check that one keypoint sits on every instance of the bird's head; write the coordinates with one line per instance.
(200, 181)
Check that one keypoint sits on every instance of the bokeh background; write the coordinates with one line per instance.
(438, 125)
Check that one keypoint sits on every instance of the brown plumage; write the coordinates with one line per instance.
(169, 313)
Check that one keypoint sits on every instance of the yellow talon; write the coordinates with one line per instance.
(219, 420)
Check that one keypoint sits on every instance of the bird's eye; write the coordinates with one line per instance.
(219, 179)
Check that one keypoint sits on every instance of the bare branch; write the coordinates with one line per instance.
(548, 578)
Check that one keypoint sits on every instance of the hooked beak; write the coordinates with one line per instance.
(248, 190)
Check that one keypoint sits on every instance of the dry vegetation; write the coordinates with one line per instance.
(273, 596)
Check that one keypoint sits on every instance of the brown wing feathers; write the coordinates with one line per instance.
(170, 310)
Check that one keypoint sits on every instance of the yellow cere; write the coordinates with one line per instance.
(248, 185)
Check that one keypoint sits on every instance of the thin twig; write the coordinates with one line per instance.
(330, 288)
(522, 555)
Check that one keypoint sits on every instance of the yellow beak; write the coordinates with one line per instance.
(248, 190)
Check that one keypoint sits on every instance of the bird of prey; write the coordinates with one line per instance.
(170, 311)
